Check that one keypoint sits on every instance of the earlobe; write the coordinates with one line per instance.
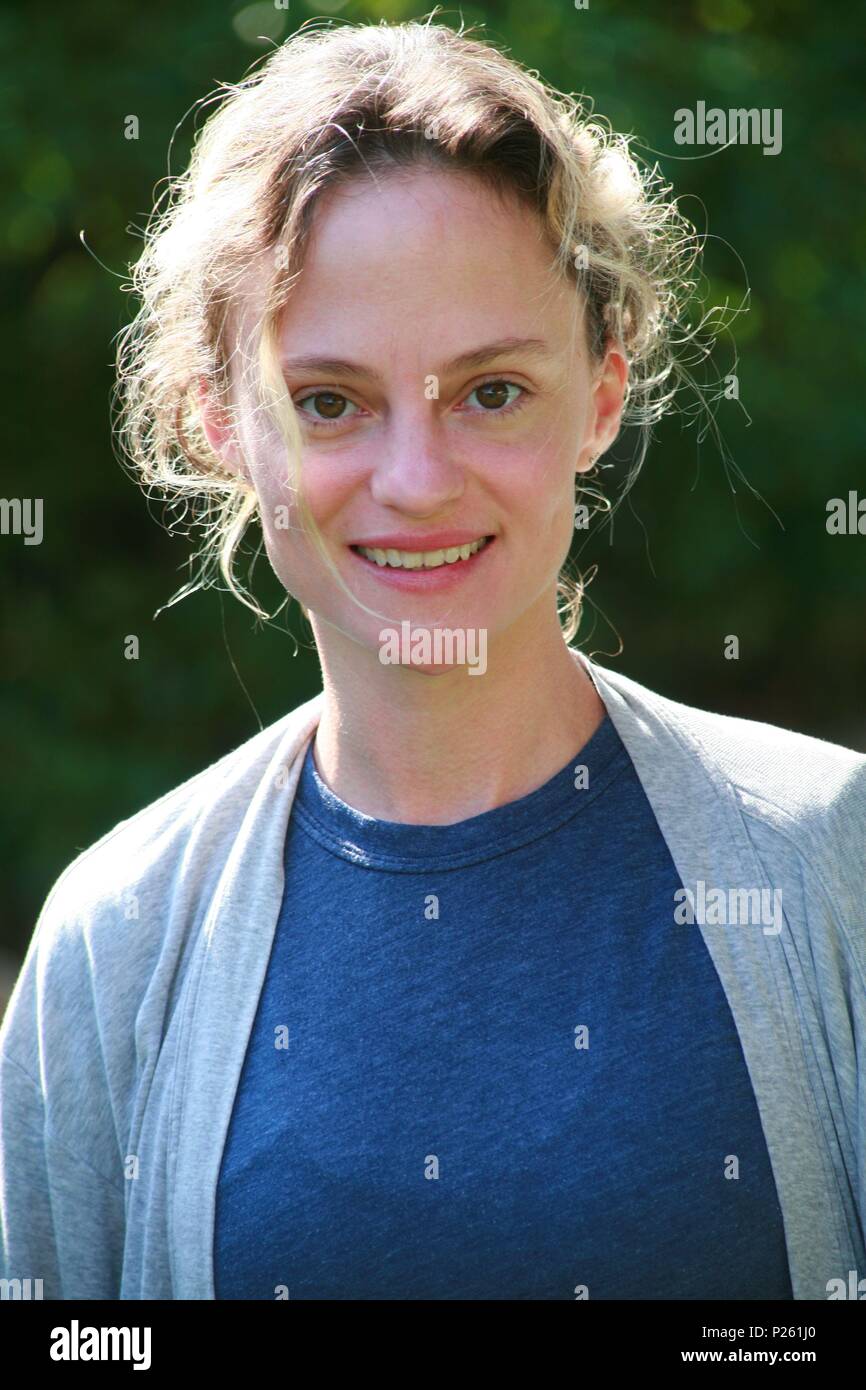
(219, 430)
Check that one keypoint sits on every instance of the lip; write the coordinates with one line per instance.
(423, 580)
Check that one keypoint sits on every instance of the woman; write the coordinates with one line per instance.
(488, 972)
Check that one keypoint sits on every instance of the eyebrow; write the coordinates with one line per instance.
(339, 367)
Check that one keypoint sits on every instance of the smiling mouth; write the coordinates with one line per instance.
(422, 559)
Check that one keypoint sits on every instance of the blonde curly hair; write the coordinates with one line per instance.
(323, 108)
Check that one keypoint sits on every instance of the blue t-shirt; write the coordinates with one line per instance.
(487, 1064)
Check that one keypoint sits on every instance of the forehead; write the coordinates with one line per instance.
(419, 206)
(424, 227)
(431, 253)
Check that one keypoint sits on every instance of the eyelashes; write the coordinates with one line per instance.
(501, 381)
(321, 395)
(510, 408)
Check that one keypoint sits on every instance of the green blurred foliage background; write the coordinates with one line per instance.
(89, 737)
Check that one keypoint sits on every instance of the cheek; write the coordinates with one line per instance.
(327, 488)
(278, 508)
(536, 485)
(544, 500)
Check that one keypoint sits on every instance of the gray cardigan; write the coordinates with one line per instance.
(122, 1045)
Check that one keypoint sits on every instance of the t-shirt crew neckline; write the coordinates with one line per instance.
(403, 847)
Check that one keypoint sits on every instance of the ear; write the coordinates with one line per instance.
(219, 429)
(608, 397)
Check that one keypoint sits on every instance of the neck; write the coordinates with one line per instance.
(403, 745)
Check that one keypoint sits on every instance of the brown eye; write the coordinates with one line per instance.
(493, 395)
(331, 408)
(329, 405)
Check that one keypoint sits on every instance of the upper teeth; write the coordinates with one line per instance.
(416, 559)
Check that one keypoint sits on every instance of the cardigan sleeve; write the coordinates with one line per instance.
(58, 1216)
(62, 1193)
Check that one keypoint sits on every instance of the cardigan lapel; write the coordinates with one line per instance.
(701, 822)
(222, 998)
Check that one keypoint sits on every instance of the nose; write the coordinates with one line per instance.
(417, 471)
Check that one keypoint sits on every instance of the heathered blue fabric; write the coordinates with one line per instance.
(419, 1113)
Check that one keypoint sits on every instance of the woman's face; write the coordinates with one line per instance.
(445, 394)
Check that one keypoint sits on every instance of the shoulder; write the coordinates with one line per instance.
(804, 777)
(797, 794)
(163, 836)
(808, 791)
(129, 904)
(801, 775)
(789, 785)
